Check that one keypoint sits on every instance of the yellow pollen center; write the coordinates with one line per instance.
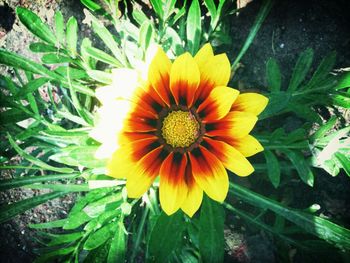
(180, 128)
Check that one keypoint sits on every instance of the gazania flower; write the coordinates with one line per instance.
(186, 126)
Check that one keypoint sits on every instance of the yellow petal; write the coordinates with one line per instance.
(172, 185)
(184, 79)
(215, 72)
(232, 159)
(209, 173)
(159, 73)
(193, 200)
(250, 102)
(248, 145)
(218, 104)
(143, 174)
(236, 124)
(203, 55)
(120, 164)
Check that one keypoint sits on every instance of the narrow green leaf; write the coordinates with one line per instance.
(53, 58)
(194, 27)
(273, 168)
(40, 47)
(301, 166)
(344, 161)
(91, 5)
(99, 237)
(322, 70)
(211, 8)
(321, 132)
(60, 187)
(301, 69)
(36, 161)
(100, 76)
(107, 38)
(59, 26)
(9, 211)
(21, 181)
(139, 16)
(35, 25)
(102, 56)
(72, 36)
(344, 81)
(73, 72)
(64, 238)
(146, 34)
(278, 101)
(342, 100)
(48, 257)
(263, 12)
(175, 41)
(158, 8)
(273, 75)
(48, 225)
(320, 227)
(30, 87)
(116, 253)
(211, 231)
(165, 236)
(14, 116)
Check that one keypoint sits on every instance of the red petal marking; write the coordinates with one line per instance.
(209, 173)
(184, 93)
(140, 148)
(149, 100)
(152, 162)
(173, 168)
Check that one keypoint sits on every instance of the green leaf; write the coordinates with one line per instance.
(91, 5)
(194, 28)
(273, 75)
(74, 73)
(9, 211)
(48, 225)
(21, 181)
(102, 56)
(344, 81)
(320, 227)
(301, 69)
(100, 76)
(175, 41)
(34, 24)
(116, 253)
(324, 128)
(278, 101)
(165, 236)
(36, 161)
(158, 8)
(322, 70)
(107, 38)
(14, 116)
(211, 8)
(342, 100)
(146, 35)
(301, 166)
(211, 231)
(40, 47)
(344, 161)
(263, 12)
(99, 237)
(30, 87)
(139, 16)
(48, 257)
(79, 156)
(53, 58)
(64, 238)
(72, 36)
(273, 168)
(59, 26)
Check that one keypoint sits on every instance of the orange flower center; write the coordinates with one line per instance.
(180, 128)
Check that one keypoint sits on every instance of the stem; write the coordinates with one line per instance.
(139, 234)
(264, 10)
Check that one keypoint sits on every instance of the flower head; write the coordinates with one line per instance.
(186, 126)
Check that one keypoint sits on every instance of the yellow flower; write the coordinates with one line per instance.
(184, 125)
